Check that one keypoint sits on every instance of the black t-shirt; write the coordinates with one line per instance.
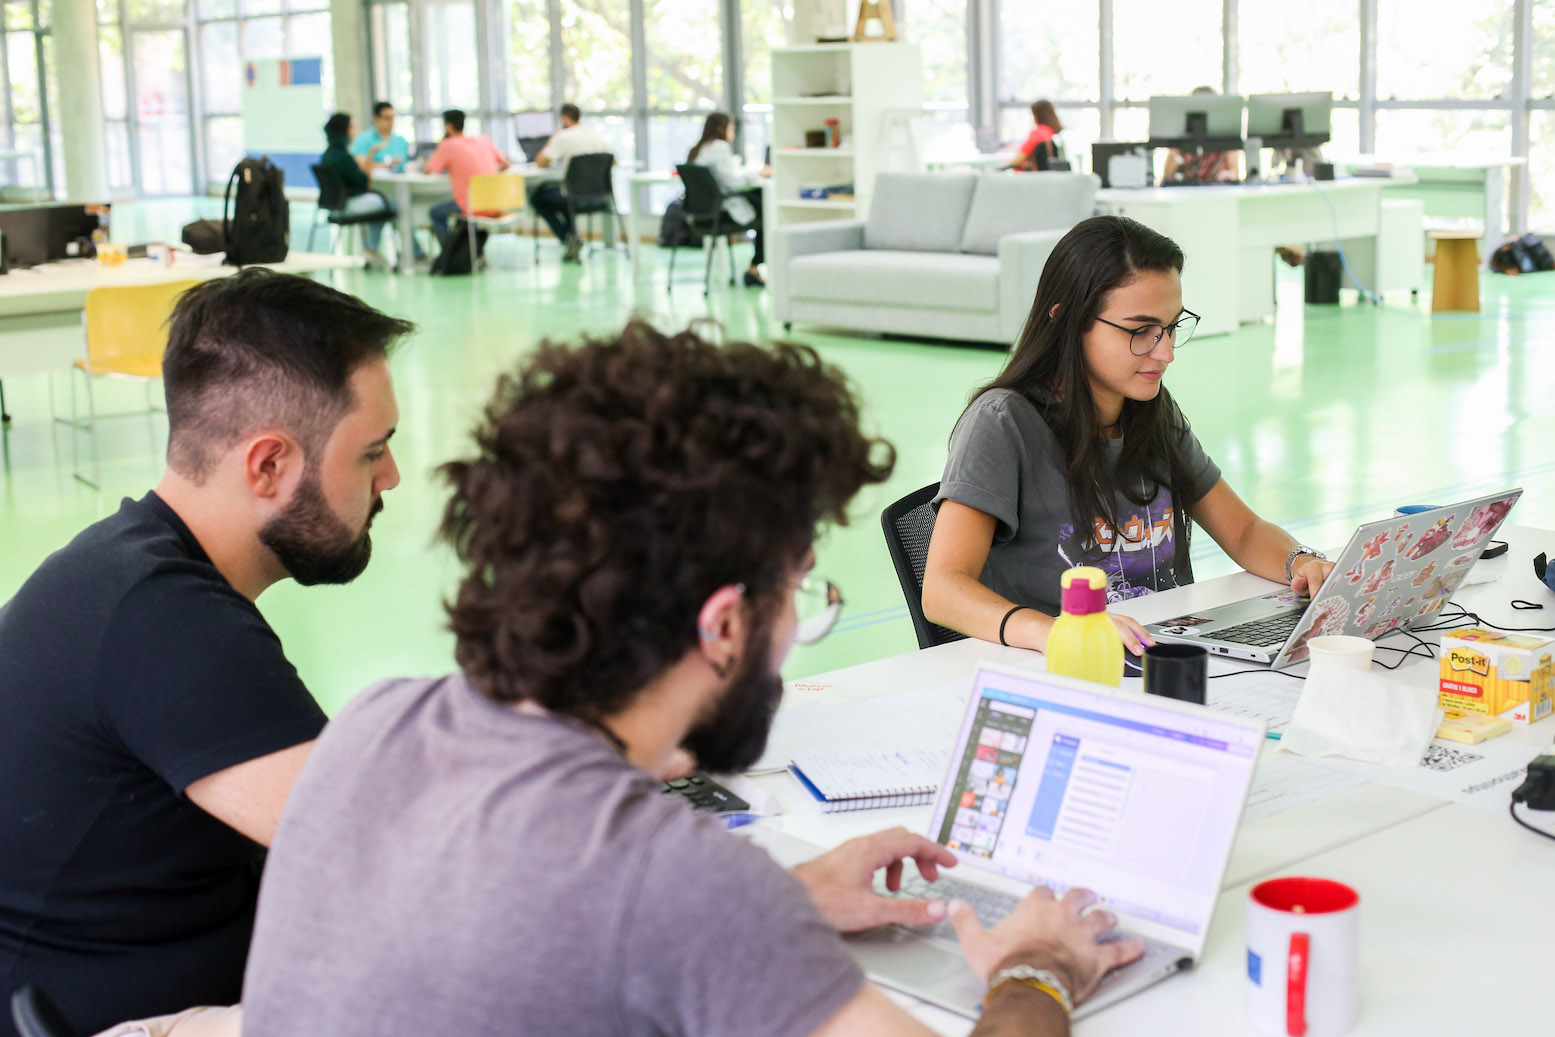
(130, 668)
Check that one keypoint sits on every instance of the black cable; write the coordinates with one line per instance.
(1512, 809)
(1259, 669)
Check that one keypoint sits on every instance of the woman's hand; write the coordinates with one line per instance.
(1133, 635)
(1307, 576)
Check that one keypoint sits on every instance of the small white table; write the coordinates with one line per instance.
(1444, 888)
(415, 191)
(1453, 187)
(40, 308)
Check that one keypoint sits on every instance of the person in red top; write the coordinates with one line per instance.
(462, 157)
(1042, 136)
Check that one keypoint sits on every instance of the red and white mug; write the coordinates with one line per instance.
(1303, 957)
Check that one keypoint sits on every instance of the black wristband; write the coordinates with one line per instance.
(1006, 621)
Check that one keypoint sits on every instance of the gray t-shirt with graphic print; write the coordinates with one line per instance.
(447, 865)
(1005, 461)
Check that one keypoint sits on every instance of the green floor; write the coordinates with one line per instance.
(1330, 416)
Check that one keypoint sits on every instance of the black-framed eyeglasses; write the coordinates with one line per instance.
(818, 603)
(1149, 335)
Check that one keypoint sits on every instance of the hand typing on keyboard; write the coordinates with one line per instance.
(841, 882)
(1048, 932)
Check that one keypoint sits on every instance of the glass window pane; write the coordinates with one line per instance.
(391, 58)
(307, 5)
(308, 36)
(1412, 131)
(107, 10)
(1313, 46)
(1543, 49)
(670, 139)
(529, 56)
(29, 138)
(18, 15)
(1541, 173)
(764, 24)
(947, 130)
(685, 57)
(1165, 48)
(22, 62)
(110, 50)
(264, 38)
(120, 175)
(218, 8)
(156, 10)
(1082, 128)
(223, 146)
(1043, 56)
(453, 77)
(162, 111)
(222, 71)
(939, 27)
(597, 53)
(1462, 50)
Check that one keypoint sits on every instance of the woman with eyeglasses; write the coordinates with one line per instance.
(1076, 454)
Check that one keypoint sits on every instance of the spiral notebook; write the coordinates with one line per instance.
(866, 779)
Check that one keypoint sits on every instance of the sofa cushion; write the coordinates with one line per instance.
(874, 277)
(1016, 202)
(918, 212)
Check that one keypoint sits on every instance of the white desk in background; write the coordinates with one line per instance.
(983, 161)
(1450, 894)
(40, 308)
(1453, 187)
(1228, 233)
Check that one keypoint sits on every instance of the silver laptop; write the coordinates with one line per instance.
(1062, 783)
(1395, 572)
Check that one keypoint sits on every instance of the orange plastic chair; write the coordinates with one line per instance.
(495, 200)
(126, 335)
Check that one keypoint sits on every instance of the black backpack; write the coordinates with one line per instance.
(255, 216)
(455, 259)
(674, 231)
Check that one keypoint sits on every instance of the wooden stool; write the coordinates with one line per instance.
(1455, 285)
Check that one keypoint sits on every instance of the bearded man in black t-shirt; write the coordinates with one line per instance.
(150, 724)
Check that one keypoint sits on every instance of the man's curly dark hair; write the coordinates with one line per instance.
(618, 484)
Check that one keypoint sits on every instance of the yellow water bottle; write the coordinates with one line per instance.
(1084, 644)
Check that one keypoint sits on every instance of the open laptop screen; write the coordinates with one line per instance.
(1058, 786)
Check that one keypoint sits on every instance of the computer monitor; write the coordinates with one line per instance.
(534, 124)
(1197, 121)
(1291, 120)
(43, 234)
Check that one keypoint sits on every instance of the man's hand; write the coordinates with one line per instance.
(1307, 576)
(1050, 933)
(841, 882)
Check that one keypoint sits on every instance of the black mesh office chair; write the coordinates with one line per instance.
(36, 1016)
(590, 190)
(332, 204)
(704, 213)
(908, 526)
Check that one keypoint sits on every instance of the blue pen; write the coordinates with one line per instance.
(738, 819)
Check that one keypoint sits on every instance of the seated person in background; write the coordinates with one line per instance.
(742, 203)
(549, 200)
(354, 171)
(490, 849)
(1201, 167)
(1077, 455)
(379, 144)
(150, 725)
(1041, 145)
(461, 156)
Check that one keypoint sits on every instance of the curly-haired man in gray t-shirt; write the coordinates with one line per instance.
(489, 852)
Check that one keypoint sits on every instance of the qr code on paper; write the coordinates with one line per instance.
(1446, 758)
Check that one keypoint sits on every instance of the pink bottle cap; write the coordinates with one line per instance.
(1084, 591)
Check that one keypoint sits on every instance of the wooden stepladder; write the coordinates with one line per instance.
(878, 11)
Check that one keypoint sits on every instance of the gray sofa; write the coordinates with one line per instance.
(941, 255)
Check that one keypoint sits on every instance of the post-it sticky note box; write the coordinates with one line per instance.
(1496, 674)
(1472, 728)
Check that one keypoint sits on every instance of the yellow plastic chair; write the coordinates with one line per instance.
(126, 335)
(500, 193)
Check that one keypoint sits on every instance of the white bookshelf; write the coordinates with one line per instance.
(855, 83)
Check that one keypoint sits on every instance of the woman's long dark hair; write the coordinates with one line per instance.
(715, 128)
(1047, 367)
(1046, 115)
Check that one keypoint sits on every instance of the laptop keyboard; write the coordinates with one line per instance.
(993, 906)
(1261, 633)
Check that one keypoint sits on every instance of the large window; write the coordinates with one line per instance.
(1315, 45)
(30, 93)
(1460, 51)
(1165, 48)
(1057, 59)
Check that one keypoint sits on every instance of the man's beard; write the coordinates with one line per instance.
(732, 737)
(312, 543)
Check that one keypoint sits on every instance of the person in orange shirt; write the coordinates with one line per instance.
(1041, 144)
(461, 157)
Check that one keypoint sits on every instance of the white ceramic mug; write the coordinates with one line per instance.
(1342, 650)
(1303, 953)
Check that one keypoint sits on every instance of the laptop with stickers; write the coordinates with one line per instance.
(1393, 573)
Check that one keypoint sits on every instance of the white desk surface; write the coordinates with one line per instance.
(1272, 189)
(1448, 892)
(1437, 163)
(417, 178)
